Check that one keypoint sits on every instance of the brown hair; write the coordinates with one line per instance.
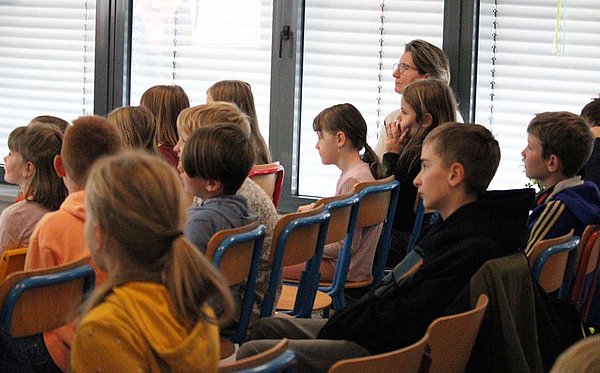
(165, 102)
(471, 145)
(213, 113)
(347, 119)
(565, 135)
(136, 126)
(59, 123)
(89, 138)
(240, 93)
(136, 199)
(39, 144)
(220, 152)
(429, 59)
(427, 96)
(591, 112)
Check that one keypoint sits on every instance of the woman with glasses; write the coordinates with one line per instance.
(420, 60)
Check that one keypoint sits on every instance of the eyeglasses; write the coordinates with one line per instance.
(402, 67)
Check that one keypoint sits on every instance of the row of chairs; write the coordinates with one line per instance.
(568, 266)
(443, 349)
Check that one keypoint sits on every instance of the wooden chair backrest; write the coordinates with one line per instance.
(300, 245)
(451, 338)
(44, 308)
(255, 360)
(405, 360)
(545, 244)
(236, 262)
(585, 236)
(269, 177)
(588, 264)
(338, 219)
(373, 208)
(13, 260)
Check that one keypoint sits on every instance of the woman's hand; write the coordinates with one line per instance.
(397, 138)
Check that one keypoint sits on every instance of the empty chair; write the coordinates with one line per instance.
(270, 178)
(405, 360)
(12, 260)
(276, 359)
(377, 204)
(553, 265)
(236, 253)
(451, 338)
(40, 300)
(298, 237)
(586, 268)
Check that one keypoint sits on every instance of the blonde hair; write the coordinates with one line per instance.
(136, 200)
(137, 127)
(240, 93)
(582, 357)
(165, 102)
(205, 115)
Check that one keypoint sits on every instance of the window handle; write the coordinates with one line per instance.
(283, 35)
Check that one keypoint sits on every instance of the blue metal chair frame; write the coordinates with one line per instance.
(286, 363)
(384, 244)
(309, 281)
(84, 272)
(257, 235)
(416, 232)
(336, 290)
(569, 246)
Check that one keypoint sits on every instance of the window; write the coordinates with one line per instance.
(195, 44)
(546, 59)
(341, 64)
(46, 61)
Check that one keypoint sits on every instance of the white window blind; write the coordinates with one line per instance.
(195, 44)
(46, 61)
(534, 72)
(341, 64)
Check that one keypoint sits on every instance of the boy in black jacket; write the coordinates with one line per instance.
(458, 162)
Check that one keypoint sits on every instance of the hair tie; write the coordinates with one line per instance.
(175, 235)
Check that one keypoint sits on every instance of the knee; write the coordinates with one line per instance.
(251, 348)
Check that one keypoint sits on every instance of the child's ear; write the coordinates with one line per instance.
(29, 169)
(213, 186)
(427, 120)
(553, 164)
(341, 138)
(456, 174)
(59, 166)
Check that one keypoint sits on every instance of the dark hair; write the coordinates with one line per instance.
(89, 138)
(429, 59)
(240, 93)
(566, 135)
(347, 119)
(471, 145)
(591, 112)
(59, 123)
(427, 96)
(39, 144)
(219, 152)
(165, 102)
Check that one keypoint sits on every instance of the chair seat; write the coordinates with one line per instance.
(288, 297)
(227, 348)
(328, 284)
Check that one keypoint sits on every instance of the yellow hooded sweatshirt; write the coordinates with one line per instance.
(135, 330)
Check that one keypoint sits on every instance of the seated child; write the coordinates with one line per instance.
(258, 201)
(152, 313)
(457, 163)
(215, 161)
(59, 236)
(30, 165)
(136, 126)
(52, 121)
(591, 112)
(558, 145)
(342, 134)
(425, 104)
